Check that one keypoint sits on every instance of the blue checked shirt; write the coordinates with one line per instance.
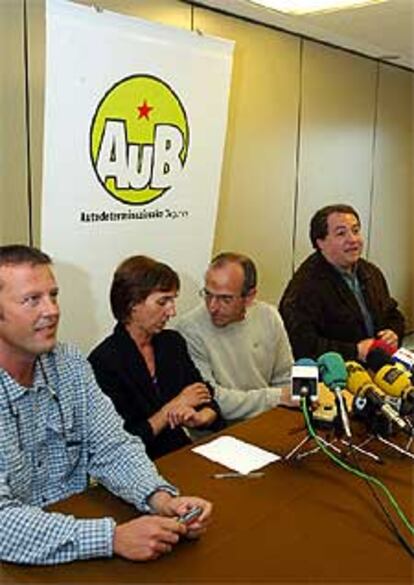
(53, 436)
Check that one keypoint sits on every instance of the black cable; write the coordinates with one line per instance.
(14, 413)
(389, 520)
(369, 478)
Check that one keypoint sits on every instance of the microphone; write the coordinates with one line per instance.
(381, 344)
(405, 357)
(402, 357)
(360, 384)
(389, 377)
(305, 362)
(334, 375)
(305, 378)
(377, 358)
(325, 413)
(333, 370)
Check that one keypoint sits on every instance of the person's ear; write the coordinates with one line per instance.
(320, 244)
(251, 295)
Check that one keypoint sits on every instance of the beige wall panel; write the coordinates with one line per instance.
(391, 244)
(257, 192)
(170, 12)
(36, 37)
(13, 165)
(338, 113)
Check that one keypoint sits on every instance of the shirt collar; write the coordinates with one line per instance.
(352, 276)
(16, 390)
(8, 384)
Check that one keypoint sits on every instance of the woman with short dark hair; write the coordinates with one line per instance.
(146, 370)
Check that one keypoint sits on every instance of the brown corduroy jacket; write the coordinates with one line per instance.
(321, 313)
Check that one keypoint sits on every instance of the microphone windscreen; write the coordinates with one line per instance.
(358, 377)
(305, 362)
(332, 369)
(359, 381)
(381, 344)
(377, 358)
(393, 381)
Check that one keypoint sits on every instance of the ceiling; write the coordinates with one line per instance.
(384, 30)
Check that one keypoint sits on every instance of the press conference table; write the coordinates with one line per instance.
(303, 521)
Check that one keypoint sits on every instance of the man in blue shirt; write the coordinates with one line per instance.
(57, 429)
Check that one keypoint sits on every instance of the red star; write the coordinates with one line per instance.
(144, 110)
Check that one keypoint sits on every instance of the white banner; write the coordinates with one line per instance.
(135, 121)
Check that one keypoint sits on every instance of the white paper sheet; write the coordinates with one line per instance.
(236, 454)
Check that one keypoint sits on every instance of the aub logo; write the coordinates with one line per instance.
(139, 139)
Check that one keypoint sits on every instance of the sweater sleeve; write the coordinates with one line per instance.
(192, 375)
(234, 403)
(239, 404)
(283, 357)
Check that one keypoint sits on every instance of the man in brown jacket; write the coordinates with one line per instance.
(336, 301)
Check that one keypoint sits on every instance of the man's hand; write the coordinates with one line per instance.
(389, 337)
(286, 398)
(363, 348)
(167, 505)
(147, 538)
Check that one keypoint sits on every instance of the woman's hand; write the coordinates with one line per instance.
(194, 395)
(181, 409)
(181, 415)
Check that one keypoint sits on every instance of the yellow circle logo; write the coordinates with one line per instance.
(139, 139)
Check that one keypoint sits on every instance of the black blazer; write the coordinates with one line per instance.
(123, 375)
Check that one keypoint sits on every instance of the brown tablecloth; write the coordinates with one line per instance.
(302, 522)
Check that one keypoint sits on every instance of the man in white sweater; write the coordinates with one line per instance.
(239, 344)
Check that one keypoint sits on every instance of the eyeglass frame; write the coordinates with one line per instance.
(224, 299)
(72, 462)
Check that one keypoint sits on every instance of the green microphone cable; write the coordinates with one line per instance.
(392, 525)
(355, 471)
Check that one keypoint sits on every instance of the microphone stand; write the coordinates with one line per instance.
(299, 453)
(403, 450)
(378, 426)
(343, 412)
(296, 451)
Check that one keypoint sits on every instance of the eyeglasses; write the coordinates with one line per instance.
(223, 299)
